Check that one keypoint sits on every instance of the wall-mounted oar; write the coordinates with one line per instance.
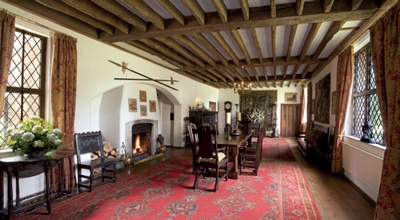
(155, 80)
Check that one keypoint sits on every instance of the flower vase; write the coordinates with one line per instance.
(35, 154)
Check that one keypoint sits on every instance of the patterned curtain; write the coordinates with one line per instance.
(385, 51)
(344, 81)
(63, 92)
(7, 32)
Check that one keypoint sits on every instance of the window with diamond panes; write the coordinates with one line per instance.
(365, 99)
(25, 93)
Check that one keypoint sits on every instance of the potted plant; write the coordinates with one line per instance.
(34, 137)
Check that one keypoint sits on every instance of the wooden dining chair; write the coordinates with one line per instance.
(194, 139)
(89, 142)
(250, 157)
(210, 161)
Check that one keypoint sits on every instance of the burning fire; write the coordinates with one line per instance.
(137, 148)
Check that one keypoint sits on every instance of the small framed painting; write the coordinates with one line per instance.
(142, 96)
(152, 104)
(143, 110)
(290, 97)
(212, 106)
(132, 105)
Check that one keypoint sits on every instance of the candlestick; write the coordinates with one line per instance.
(228, 118)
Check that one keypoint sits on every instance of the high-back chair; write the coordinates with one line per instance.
(210, 160)
(251, 157)
(194, 139)
(86, 143)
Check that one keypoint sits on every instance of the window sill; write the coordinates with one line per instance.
(375, 149)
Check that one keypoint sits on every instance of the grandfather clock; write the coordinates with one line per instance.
(228, 116)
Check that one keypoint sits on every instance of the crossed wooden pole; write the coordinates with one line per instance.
(147, 78)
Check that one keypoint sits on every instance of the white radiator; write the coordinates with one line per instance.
(362, 164)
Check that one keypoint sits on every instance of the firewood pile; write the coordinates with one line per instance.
(109, 151)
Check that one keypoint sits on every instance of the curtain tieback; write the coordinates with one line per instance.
(340, 136)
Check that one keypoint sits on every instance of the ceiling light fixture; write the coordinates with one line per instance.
(242, 88)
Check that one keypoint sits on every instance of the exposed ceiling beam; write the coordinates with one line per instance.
(93, 10)
(228, 49)
(182, 50)
(299, 7)
(146, 11)
(328, 37)
(267, 62)
(258, 19)
(238, 39)
(71, 11)
(201, 39)
(256, 44)
(200, 52)
(273, 8)
(172, 10)
(355, 34)
(122, 13)
(245, 9)
(221, 9)
(196, 10)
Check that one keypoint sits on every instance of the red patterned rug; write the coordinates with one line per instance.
(277, 149)
(164, 191)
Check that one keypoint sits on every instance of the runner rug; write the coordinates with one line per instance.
(164, 191)
(277, 149)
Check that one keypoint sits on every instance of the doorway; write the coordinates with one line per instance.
(290, 119)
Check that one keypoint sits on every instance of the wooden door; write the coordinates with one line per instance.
(290, 119)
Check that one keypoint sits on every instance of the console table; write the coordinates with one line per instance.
(20, 166)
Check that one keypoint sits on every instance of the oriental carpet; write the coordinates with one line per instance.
(277, 149)
(164, 191)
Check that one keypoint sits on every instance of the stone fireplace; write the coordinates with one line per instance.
(141, 140)
(140, 137)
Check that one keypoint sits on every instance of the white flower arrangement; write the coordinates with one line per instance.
(34, 136)
(255, 115)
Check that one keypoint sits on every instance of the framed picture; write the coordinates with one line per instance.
(333, 106)
(152, 104)
(212, 106)
(322, 98)
(142, 96)
(132, 105)
(290, 97)
(143, 110)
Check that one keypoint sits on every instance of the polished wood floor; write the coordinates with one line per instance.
(336, 198)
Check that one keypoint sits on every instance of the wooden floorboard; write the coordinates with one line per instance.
(336, 198)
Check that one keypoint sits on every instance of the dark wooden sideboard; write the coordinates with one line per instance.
(17, 166)
(201, 117)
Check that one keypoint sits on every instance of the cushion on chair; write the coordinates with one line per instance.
(221, 156)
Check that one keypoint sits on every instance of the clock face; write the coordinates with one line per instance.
(228, 106)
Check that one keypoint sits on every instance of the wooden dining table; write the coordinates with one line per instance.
(233, 143)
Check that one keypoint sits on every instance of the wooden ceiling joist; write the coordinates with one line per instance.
(196, 10)
(258, 19)
(172, 10)
(146, 11)
(99, 13)
(221, 9)
(122, 13)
